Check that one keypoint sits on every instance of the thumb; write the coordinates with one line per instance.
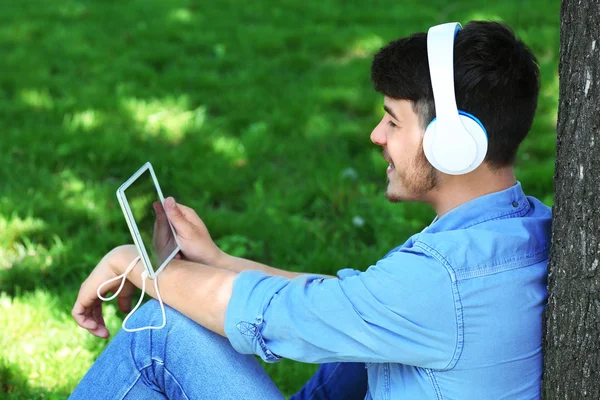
(175, 215)
(161, 217)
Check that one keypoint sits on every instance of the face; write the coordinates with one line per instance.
(410, 175)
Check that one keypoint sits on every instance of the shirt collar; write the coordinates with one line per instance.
(503, 204)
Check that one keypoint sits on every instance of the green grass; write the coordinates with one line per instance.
(257, 114)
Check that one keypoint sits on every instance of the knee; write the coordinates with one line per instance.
(177, 327)
(178, 335)
(150, 314)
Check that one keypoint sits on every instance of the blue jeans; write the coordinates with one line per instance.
(186, 361)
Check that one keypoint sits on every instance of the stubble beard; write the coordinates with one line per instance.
(413, 183)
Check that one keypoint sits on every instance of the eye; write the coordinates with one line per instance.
(393, 125)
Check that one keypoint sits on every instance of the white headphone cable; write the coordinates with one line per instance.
(144, 275)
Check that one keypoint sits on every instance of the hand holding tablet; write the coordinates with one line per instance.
(142, 202)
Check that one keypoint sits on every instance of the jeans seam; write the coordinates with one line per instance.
(172, 376)
(386, 381)
(312, 395)
(436, 387)
(132, 385)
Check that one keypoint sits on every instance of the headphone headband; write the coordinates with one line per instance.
(455, 142)
(440, 52)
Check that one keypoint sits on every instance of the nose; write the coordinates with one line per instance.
(378, 135)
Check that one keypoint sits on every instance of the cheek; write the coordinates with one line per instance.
(405, 149)
(416, 146)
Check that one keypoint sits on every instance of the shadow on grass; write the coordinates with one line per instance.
(14, 386)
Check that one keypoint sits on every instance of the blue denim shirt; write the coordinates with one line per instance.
(453, 313)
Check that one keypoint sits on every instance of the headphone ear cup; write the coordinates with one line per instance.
(443, 156)
(428, 138)
(474, 127)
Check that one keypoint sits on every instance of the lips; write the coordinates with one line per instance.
(387, 158)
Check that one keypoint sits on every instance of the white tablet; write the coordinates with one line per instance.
(157, 245)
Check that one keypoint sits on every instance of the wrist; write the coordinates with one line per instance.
(222, 260)
(120, 257)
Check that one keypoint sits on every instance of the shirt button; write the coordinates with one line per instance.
(515, 204)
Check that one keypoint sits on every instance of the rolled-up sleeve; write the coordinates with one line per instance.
(401, 309)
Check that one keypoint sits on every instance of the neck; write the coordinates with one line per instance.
(455, 190)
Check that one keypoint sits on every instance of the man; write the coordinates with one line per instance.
(453, 313)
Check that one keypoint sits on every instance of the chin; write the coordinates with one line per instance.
(414, 187)
(397, 193)
(393, 198)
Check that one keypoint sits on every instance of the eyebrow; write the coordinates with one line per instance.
(389, 111)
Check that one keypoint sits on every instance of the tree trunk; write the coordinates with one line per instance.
(572, 320)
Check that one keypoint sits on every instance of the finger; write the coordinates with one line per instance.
(161, 217)
(124, 300)
(190, 214)
(176, 216)
(97, 315)
(81, 307)
(100, 332)
(87, 297)
(124, 303)
(160, 210)
(158, 207)
(81, 316)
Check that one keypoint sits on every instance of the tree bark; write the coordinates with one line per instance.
(572, 317)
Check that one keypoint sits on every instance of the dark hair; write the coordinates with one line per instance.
(496, 78)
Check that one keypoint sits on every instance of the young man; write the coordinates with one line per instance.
(453, 313)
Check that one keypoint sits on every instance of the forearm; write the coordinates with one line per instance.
(198, 291)
(237, 265)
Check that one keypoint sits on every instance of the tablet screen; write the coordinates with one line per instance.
(157, 236)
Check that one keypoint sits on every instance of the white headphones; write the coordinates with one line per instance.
(455, 142)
